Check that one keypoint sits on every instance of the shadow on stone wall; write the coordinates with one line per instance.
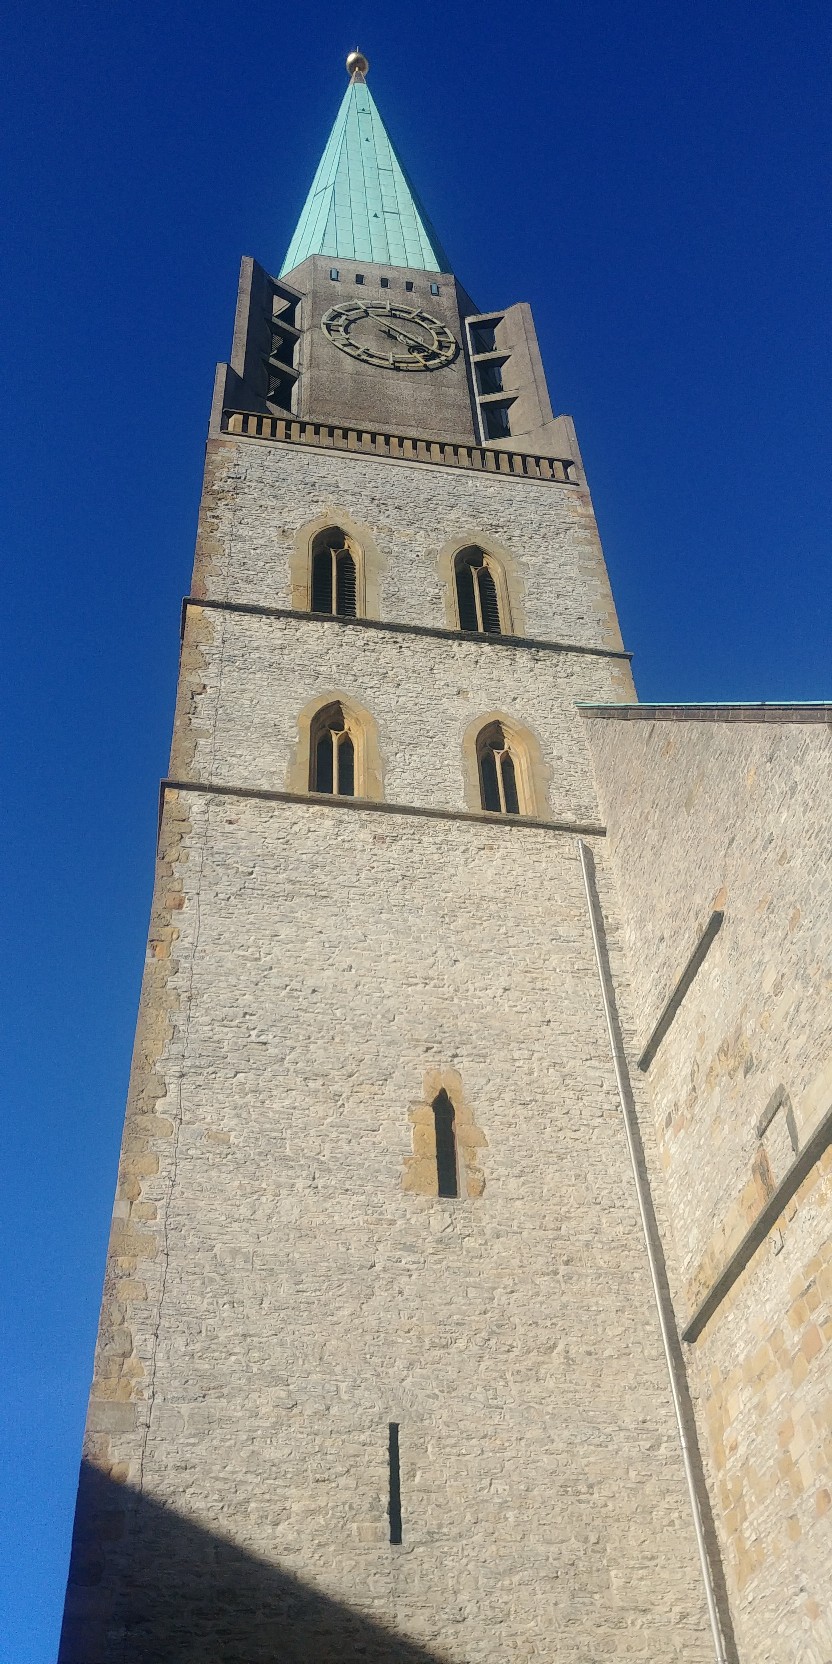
(149, 1587)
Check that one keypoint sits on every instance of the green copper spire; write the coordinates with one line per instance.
(362, 205)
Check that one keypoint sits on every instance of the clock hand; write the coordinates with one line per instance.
(402, 335)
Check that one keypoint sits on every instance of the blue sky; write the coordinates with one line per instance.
(652, 178)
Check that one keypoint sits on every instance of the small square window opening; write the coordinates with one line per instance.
(434, 288)
(385, 282)
(359, 277)
(333, 274)
(409, 287)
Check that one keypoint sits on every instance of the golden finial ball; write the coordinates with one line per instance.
(357, 64)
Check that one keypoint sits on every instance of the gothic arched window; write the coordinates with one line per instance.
(332, 759)
(500, 788)
(333, 587)
(480, 604)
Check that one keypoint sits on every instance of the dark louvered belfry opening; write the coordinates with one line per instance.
(345, 758)
(466, 601)
(334, 579)
(498, 774)
(446, 1166)
(344, 584)
(506, 764)
(322, 580)
(324, 761)
(488, 782)
(488, 602)
(332, 754)
(476, 594)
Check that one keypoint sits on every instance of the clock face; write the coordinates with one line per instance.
(390, 337)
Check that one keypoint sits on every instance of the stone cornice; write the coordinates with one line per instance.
(357, 441)
(762, 712)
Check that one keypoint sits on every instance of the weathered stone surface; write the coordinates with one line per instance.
(735, 816)
(259, 497)
(258, 674)
(308, 1299)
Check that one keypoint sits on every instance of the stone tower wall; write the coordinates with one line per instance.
(282, 1283)
(248, 677)
(260, 495)
(277, 1296)
(732, 815)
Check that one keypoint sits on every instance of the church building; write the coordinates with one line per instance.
(469, 1293)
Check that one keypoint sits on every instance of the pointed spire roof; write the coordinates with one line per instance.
(362, 205)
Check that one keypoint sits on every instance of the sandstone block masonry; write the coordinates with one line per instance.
(731, 816)
(247, 678)
(259, 495)
(277, 1294)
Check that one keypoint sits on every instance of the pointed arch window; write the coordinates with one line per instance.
(499, 771)
(334, 577)
(480, 604)
(332, 753)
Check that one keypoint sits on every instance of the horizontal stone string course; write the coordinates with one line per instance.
(401, 447)
(760, 712)
(326, 800)
(396, 627)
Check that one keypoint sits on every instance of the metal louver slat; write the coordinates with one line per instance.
(345, 585)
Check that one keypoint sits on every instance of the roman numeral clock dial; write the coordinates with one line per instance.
(390, 337)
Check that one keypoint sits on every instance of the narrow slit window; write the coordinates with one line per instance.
(498, 773)
(476, 592)
(447, 1176)
(394, 1498)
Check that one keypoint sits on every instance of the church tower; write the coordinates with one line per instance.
(380, 1371)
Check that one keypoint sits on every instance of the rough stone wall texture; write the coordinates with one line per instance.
(258, 495)
(734, 816)
(280, 1286)
(276, 1296)
(246, 678)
